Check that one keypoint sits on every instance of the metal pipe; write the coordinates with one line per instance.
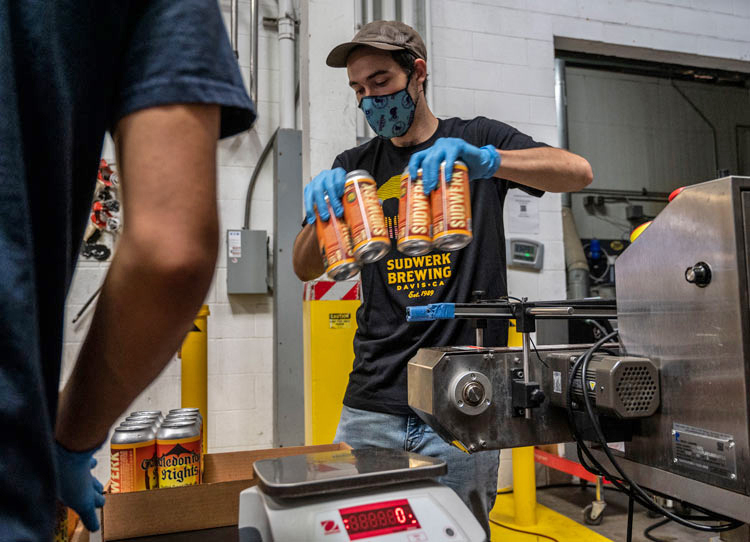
(233, 26)
(194, 373)
(561, 107)
(287, 110)
(428, 45)
(645, 195)
(254, 51)
(551, 311)
(388, 10)
(408, 13)
(526, 355)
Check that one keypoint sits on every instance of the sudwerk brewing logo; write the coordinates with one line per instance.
(420, 276)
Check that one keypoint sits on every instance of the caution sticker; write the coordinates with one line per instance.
(340, 320)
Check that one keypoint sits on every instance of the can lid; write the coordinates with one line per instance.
(177, 423)
(358, 173)
(150, 412)
(184, 410)
(124, 428)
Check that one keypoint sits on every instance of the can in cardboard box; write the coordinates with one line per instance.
(414, 217)
(178, 452)
(450, 204)
(364, 216)
(335, 246)
(133, 459)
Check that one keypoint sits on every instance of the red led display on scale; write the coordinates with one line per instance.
(378, 519)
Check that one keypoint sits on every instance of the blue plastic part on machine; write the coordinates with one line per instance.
(433, 311)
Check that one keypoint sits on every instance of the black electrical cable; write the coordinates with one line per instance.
(537, 352)
(635, 491)
(630, 518)
(647, 531)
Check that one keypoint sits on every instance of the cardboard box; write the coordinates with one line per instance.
(214, 503)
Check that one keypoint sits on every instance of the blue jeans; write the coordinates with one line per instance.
(473, 477)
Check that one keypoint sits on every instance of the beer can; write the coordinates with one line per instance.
(61, 523)
(335, 246)
(146, 421)
(188, 414)
(133, 459)
(450, 203)
(364, 216)
(178, 452)
(414, 217)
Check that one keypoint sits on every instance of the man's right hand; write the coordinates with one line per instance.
(329, 182)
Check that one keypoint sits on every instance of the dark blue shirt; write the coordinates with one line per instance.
(69, 71)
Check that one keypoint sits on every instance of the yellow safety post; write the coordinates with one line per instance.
(517, 517)
(194, 354)
(524, 486)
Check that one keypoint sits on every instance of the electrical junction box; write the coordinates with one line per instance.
(247, 261)
(524, 254)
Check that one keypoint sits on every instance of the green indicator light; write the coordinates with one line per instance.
(528, 254)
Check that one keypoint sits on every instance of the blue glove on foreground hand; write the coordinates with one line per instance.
(482, 162)
(76, 486)
(329, 182)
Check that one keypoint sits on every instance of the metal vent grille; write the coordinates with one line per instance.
(636, 389)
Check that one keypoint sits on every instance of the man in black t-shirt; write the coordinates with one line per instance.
(386, 64)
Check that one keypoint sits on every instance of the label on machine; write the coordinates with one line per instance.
(704, 450)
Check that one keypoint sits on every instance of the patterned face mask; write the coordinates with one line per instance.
(390, 115)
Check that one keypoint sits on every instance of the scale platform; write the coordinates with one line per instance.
(323, 473)
(373, 494)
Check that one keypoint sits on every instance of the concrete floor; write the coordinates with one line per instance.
(571, 501)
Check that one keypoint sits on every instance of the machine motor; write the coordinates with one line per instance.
(624, 387)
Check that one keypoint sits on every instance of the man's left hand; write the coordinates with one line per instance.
(482, 162)
(76, 486)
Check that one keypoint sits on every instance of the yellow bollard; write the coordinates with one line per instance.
(524, 473)
(194, 354)
(524, 486)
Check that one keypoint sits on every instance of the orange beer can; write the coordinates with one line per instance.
(364, 215)
(414, 217)
(451, 209)
(133, 459)
(335, 245)
(178, 453)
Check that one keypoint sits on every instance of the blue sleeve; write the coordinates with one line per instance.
(179, 53)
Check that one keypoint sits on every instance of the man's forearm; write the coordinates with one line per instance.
(546, 168)
(141, 318)
(308, 264)
(161, 270)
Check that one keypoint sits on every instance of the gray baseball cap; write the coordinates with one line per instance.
(383, 35)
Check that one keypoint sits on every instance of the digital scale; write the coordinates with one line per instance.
(370, 494)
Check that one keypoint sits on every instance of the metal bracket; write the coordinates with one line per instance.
(524, 394)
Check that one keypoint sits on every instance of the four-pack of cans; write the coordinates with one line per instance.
(440, 221)
(149, 450)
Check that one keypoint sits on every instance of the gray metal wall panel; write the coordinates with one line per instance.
(289, 399)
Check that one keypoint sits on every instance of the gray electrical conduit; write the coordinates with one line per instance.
(254, 177)
(705, 119)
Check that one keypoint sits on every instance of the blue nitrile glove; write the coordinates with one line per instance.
(482, 162)
(329, 182)
(76, 486)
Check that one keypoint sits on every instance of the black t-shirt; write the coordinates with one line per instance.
(385, 341)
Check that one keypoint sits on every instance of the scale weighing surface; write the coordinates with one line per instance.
(373, 494)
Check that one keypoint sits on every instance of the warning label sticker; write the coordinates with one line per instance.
(703, 450)
(340, 320)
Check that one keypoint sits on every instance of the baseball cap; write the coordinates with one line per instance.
(384, 35)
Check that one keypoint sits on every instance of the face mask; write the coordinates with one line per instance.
(390, 115)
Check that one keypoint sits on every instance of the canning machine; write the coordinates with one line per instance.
(669, 397)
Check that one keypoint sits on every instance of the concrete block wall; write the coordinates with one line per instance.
(240, 328)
